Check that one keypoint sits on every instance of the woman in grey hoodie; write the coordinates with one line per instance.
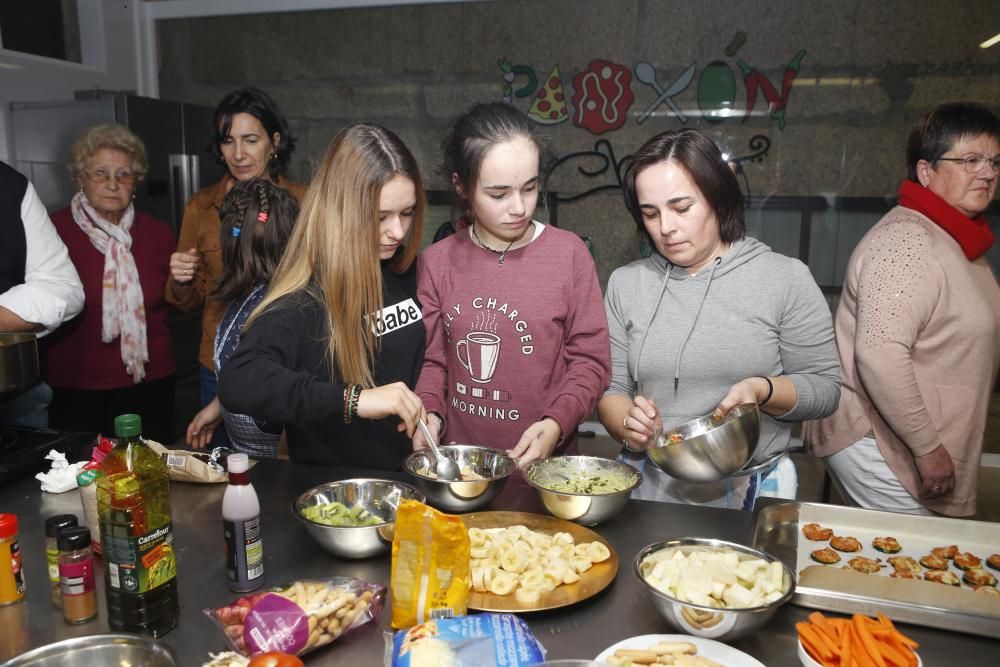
(710, 320)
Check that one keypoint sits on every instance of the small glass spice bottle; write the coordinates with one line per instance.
(53, 525)
(76, 575)
(11, 578)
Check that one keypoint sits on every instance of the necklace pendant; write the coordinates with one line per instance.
(500, 261)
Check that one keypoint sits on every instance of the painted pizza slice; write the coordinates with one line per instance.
(549, 106)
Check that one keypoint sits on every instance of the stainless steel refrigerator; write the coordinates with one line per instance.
(176, 136)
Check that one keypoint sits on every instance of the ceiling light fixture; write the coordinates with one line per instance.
(990, 42)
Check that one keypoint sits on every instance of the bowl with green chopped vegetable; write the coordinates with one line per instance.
(584, 489)
(353, 518)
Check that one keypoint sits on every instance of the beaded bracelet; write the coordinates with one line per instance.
(347, 404)
(352, 393)
(355, 397)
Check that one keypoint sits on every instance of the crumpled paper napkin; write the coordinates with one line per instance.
(61, 476)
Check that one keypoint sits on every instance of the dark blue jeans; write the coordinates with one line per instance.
(209, 388)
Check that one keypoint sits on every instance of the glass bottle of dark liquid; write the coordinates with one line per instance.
(140, 567)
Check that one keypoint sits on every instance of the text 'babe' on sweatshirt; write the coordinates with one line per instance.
(509, 345)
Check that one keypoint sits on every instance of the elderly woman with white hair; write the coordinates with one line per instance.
(117, 356)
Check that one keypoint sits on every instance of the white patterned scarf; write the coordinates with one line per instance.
(123, 313)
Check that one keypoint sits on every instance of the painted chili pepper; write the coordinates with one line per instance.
(776, 102)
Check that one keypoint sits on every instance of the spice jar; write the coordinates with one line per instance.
(11, 577)
(14, 631)
(53, 525)
(76, 574)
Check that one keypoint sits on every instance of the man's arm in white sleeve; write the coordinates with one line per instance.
(51, 292)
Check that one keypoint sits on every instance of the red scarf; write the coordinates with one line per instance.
(972, 234)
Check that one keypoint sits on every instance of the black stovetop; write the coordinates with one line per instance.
(23, 450)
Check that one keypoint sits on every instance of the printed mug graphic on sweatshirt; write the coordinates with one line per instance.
(482, 352)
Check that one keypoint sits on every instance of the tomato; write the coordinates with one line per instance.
(275, 659)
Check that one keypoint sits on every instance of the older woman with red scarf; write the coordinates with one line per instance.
(918, 329)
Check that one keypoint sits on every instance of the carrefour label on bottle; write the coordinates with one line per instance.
(140, 564)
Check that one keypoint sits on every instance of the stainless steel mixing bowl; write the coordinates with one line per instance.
(587, 508)
(492, 465)
(709, 449)
(381, 497)
(110, 650)
(720, 624)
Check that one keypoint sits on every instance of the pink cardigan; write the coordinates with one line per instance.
(918, 334)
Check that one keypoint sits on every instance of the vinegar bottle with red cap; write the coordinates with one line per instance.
(241, 528)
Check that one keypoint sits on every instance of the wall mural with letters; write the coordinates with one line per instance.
(603, 101)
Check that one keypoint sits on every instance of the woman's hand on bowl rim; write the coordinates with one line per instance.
(537, 442)
(749, 390)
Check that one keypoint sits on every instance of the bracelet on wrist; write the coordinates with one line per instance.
(352, 393)
(347, 404)
(770, 389)
(355, 398)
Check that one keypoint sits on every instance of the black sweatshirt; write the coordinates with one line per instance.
(280, 373)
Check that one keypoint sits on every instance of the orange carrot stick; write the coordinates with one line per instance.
(886, 621)
(846, 650)
(867, 641)
(814, 639)
(891, 655)
(825, 628)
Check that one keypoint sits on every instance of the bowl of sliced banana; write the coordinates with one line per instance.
(484, 474)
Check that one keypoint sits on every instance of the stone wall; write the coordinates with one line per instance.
(869, 70)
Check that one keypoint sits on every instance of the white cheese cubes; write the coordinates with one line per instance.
(714, 577)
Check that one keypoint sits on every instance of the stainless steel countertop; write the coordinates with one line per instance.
(580, 631)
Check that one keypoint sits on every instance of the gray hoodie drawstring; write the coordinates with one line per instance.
(694, 322)
(656, 308)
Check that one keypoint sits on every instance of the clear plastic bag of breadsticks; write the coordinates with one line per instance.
(298, 617)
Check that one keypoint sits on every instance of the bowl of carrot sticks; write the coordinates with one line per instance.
(860, 640)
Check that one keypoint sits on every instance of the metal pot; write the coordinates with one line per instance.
(99, 651)
(18, 361)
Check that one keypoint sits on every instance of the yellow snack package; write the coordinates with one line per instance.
(430, 565)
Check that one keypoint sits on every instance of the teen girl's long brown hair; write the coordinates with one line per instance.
(333, 251)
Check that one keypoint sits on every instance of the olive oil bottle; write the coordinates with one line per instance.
(140, 566)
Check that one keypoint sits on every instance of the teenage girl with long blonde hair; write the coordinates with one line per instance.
(337, 344)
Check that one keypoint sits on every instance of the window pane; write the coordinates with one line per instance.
(48, 28)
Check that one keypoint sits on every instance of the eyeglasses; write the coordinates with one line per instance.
(100, 176)
(974, 164)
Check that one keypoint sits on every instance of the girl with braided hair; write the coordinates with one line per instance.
(257, 219)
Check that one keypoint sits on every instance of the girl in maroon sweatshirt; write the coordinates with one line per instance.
(517, 339)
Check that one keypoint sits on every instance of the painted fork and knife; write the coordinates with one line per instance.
(645, 73)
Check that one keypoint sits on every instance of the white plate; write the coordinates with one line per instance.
(709, 648)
